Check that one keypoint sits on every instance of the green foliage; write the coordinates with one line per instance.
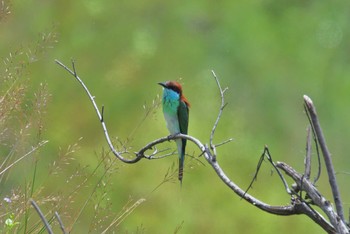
(22, 123)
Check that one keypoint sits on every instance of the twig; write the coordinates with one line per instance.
(153, 155)
(36, 207)
(318, 175)
(224, 142)
(266, 153)
(326, 155)
(223, 104)
(256, 173)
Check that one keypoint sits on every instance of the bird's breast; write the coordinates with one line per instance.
(172, 123)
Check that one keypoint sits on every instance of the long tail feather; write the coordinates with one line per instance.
(181, 144)
(181, 167)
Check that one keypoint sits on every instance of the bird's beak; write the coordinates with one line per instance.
(163, 84)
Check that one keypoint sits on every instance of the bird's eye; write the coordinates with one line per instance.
(174, 88)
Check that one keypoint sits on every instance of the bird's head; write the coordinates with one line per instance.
(173, 85)
(176, 87)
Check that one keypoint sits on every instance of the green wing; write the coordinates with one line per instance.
(182, 114)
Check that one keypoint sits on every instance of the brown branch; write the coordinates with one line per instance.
(326, 155)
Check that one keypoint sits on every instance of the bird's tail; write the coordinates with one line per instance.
(181, 167)
(181, 150)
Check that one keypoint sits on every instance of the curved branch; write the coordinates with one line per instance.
(278, 210)
(100, 116)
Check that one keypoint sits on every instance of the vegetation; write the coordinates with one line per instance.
(53, 151)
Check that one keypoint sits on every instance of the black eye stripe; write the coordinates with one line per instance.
(174, 88)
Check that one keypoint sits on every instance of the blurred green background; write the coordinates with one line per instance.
(268, 53)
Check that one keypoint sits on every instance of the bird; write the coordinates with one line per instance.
(176, 112)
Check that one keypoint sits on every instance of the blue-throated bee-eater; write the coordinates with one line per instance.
(175, 110)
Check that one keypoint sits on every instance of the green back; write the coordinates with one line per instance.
(183, 119)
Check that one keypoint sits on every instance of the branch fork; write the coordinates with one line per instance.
(336, 223)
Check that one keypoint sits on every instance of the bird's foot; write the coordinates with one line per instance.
(172, 136)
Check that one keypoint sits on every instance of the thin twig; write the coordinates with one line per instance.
(224, 142)
(326, 155)
(43, 219)
(256, 174)
(153, 155)
(318, 175)
(277, 170)
(266, 153)
(223, 104)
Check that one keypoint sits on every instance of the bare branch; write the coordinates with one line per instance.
(279, 210)
(100, 116)
(224, 142)
(266, 153)
(223, 104)
(326, 155)
(315, 196)
(297, 206)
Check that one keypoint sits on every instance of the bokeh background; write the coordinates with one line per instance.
(268, 53)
